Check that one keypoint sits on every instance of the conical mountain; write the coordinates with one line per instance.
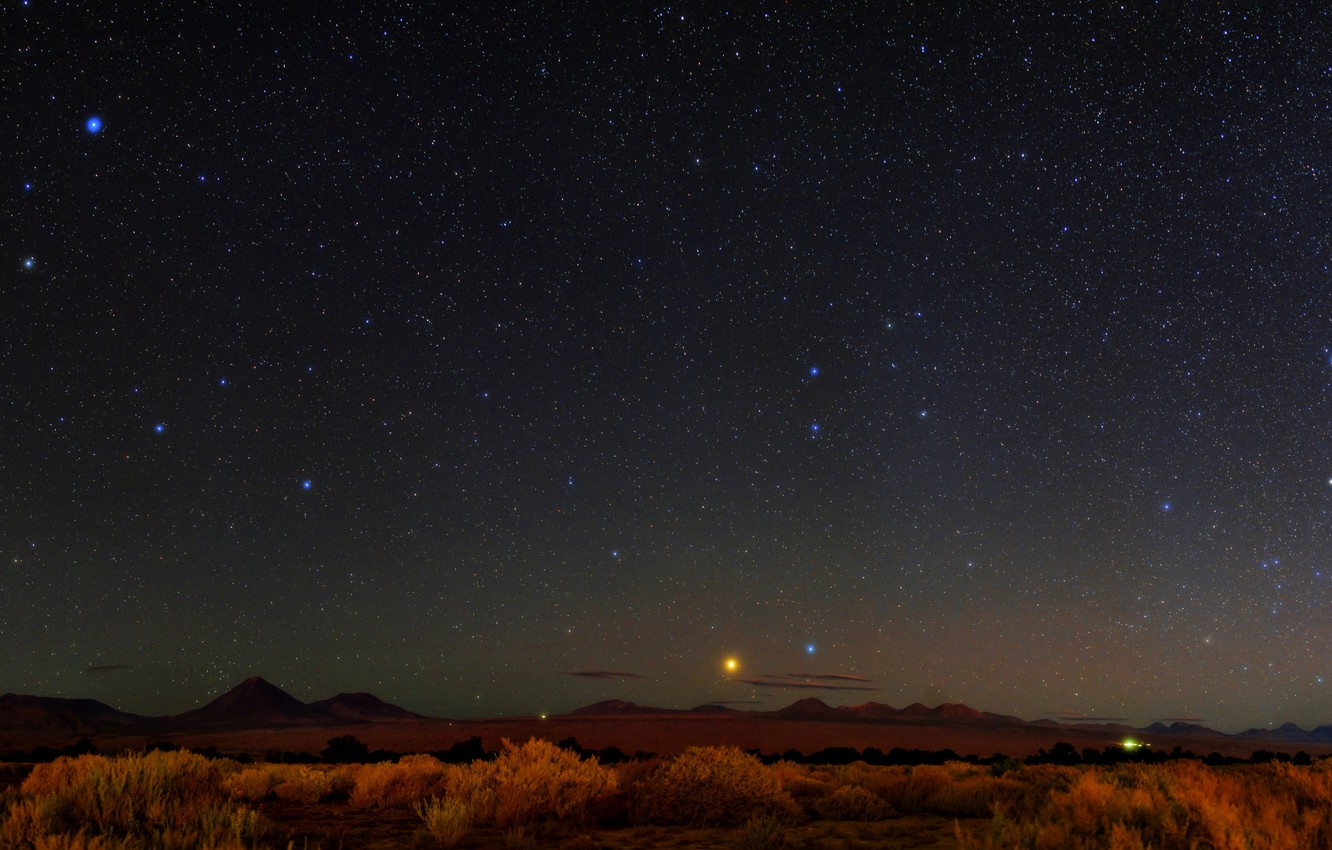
(253, 703)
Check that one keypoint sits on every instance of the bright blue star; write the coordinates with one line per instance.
(615, 553)
(93, 125)
(809, 649)
(159, 428)
(307, 484)
(813, 371)
(222, 382)
(1165, 506)
(27, 187)
(29, 263)
(814, 427)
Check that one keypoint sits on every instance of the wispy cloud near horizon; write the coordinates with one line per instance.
(787, 683)
(601, 674)
(831, 677)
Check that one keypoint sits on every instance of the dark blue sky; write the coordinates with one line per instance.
(445, 354)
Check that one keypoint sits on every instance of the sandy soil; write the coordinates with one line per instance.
(664, 734)
(342, 826)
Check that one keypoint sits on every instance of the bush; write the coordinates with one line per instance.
(405, 783)
(156, 799)
(531, 782)
(850, 802)
(712, 786)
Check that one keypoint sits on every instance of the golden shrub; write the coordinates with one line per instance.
(532, 782)
(850, 802)
(252, 784)
(159, 799)
(300, 783)
(404, 784)
(712, 786)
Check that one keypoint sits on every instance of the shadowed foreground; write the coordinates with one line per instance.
(538, 795)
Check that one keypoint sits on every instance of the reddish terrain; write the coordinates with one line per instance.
(256, 717)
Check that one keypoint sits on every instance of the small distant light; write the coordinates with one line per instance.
(615, 553)
(222, 382)
(159, 428)
(93, 125)
(29, 263)
(814, 426)
(813, 371)
(1165, 506)
(307, 484)
(809, 648)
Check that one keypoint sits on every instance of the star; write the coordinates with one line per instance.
(307, 484)
(29, 263)
(159, 428)
(93, 125)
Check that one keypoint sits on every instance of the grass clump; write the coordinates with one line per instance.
(761, 832)
(446, 821)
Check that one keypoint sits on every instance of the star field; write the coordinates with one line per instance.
(441, 354)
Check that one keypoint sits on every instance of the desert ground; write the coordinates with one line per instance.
(666, 734)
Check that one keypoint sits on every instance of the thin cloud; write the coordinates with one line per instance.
(107, 668)
(827, 677)
(602, 674)
(1088, 718)
(774, 683)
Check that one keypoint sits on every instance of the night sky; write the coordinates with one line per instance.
(480, 359)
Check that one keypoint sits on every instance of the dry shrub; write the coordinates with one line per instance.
(23, 824)
(412, 779)
(251, 784)
(712, 786)
(300, 783)
(1180, 804)
(160, 799)
(850, 802)
(532, 782)
(77, 842)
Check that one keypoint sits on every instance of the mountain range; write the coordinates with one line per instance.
(254, 703)
(258, 704)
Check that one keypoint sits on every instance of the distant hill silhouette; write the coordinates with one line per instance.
(1179, 727)
(1289, 733)
(77, 716)
(809, 708)
(712, 708)
(618, 707)
(362, 706)
(258, 704)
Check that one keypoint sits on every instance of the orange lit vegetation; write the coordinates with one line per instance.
(537, 794)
